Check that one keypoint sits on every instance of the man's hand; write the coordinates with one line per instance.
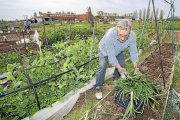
(136, 71)
(122, 72)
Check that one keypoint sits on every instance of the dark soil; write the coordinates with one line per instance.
(152, 68)
(108, 110)
(152, 65)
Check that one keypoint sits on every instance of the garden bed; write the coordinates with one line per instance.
(152, 68)
(106, 109)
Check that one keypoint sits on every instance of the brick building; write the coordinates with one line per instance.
(63, 17)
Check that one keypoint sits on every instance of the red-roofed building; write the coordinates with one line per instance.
(62, 17)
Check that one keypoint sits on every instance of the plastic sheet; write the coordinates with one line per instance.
(61, 108)
(174, 102)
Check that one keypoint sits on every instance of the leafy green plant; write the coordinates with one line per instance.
(7, 58)
(43, 66)
(138, 90)
(64, 34)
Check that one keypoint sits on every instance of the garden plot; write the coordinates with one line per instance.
(152, 68)
(106, 109)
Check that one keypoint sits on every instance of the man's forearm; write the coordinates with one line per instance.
(118, 66)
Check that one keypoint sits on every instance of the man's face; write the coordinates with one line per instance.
(122, 34)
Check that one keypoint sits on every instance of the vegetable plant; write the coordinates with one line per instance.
(135, 92)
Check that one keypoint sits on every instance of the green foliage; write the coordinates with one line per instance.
(140, 89)
(64, 34)
(7, 58)
(3, 25)
(146, 39)
(63, 57)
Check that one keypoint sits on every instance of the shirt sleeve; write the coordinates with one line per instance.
(133, 49)
(111, 51)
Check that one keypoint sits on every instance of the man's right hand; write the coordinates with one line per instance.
(137, 71)
(122, 72)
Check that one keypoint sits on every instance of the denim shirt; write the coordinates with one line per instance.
(110, 46)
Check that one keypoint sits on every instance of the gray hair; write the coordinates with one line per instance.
(124, 24)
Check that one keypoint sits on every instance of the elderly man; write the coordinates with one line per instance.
(111, 49)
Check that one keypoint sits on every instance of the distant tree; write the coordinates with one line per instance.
(144, 13)
(40, 13)
(115, 14)
(72, 13)
(161, 15)
(136, 14)
(91, 17)
(100, 13)
(176, 18)
(56, 12)
(125, 15)
(148, 14)
(63, 13)
(109, 14)
(49, 12)
(157, 12)
(131, 14)
(140, 14)
(35, 14)
(105, 14)
(152, 15)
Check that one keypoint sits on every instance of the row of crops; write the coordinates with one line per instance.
(47, 64)
(64, 34)
(58, 36)
(45, 78)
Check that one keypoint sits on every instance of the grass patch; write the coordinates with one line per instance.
(81, 111)
(176, 78)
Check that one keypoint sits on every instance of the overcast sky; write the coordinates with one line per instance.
(17, 9)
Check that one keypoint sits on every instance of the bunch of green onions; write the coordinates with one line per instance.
(140, 89)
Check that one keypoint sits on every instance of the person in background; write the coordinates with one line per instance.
(27, 25)
(111, 48)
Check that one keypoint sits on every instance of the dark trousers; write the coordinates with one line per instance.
(100, 73)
